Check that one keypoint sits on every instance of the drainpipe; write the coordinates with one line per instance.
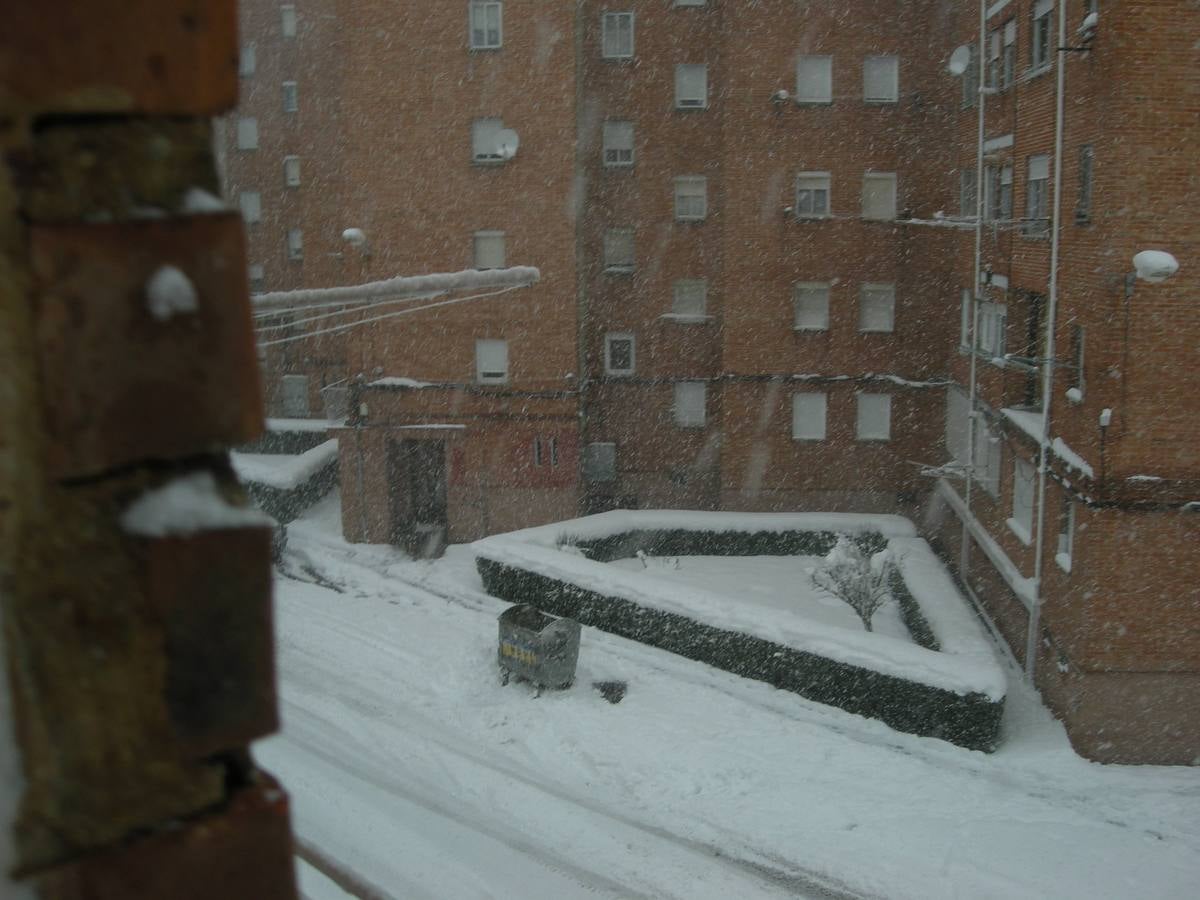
(965, 543)
(1047, 362)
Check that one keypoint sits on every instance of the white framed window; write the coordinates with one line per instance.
(691, 198)
(988, 456)
(970, 77)
(690, 402)
(690, 298)
(993, 324)
(1037, 222)
(964, 320)
(618, 250)
(1021, 522)
(1066, 533)
(1083, 202)
(874, 417)
(248, 59)
(489, 249)
(486, 25)
(811, 302)
(617, 30)
(620, 354)
(691, 86)
(881, 79)
(1001, 194)
(812, 195)
(966, 192)
(250, 203)
(618, 143)
(1041, 34)
(485, 140)
(247, 133)
(877, 308)
(291, 97)
(814, 79)
(491, 361)
(295, 243)
(808, 416)
(957, 424)
(287, 20)
(994, 56)
(254, 274)
(1008, 64)
(879, 195)
(291, 171)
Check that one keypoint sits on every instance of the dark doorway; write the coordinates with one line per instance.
(417, 495)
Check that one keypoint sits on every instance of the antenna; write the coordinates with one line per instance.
(959, 60)
(507, 143)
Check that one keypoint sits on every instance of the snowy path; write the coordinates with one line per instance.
(412, 767)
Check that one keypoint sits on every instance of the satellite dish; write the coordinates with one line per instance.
(507, 143)
(959, 60)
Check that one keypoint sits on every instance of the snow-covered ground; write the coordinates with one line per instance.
(410, 766)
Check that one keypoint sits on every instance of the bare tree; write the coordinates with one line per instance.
(863, 582)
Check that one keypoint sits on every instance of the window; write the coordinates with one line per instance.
(814, 79)
(486, 25)
(690, 298)
(619, 354)
(287, 20)
(618, 35)
(988, 458)
(691, 86)
(994, 57)
(812, 195)
(691, 198)
(248, 59)
(690, 399)
(881, 79)
(1066, 533)
(1001, 193)
(489, 249)
(485, 140)
(970, 78)
(1078, 336)
(247, 134)
(993, 320)
(295, 243)
(690, 2)
(811, 299)
(874, 417)
(1040, 43)
(537, 451)
(618, 143)
(1036, 189)
(291, 171)
(1083, 203)
(965, 315)
(618, 250)
(491, 361)
(877, 308)
(255, 275)
(1021, 522)
(808, 417)
(250, 203)
(1008, 63)
(291, 99)
(879, 195)
(966, 193)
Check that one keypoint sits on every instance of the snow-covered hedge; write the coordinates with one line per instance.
(947, 685)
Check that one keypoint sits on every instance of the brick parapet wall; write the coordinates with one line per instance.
(140, 667)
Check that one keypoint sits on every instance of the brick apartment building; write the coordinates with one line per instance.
(755, 225)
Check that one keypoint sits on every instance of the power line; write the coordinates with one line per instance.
(343, 312)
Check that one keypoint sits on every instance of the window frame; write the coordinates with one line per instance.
(1036, 222)
(886, 178)
(291, 178)
(617, 17)
(968, 203)
(250, 206)
(614, 337)
(255, 277)
(485, 371)
(1041, 35)
(700, 285)
(481, 128)
(248, 59)
(823, 96)
(802, 290)
(680, 184)
(1086, 192)
(291, 96)
(681, 75)
(681, 414)
(1065, 545)
(992, 340)
(1020, 522)
(479, 239)
(826, 179)
(894, 79)
(480, 8)
(876, 289)
(609, 239)
(613, 128)
(246, 133)
(810, 434)
(989, 457)
(295, 243)
(288, 20)
(873, 431)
